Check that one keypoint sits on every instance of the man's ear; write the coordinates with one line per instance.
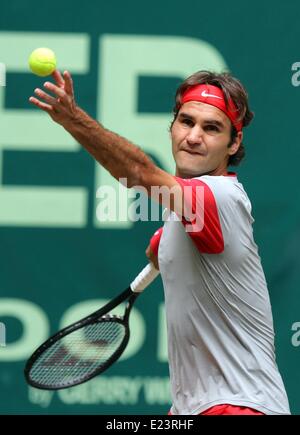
(171, 126)
(236, 144)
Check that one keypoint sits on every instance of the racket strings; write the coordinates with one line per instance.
(77, 355)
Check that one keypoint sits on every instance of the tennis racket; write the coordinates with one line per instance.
(86, 348)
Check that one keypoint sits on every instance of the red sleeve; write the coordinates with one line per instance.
(204, 229)
(155, 239)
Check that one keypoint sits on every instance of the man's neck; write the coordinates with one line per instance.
(215, 172)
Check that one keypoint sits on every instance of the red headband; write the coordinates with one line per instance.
(214, 96)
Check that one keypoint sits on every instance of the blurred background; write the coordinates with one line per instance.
(58, 261)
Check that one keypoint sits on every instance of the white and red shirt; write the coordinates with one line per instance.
(219, 319)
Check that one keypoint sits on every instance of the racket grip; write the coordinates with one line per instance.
(144, 278)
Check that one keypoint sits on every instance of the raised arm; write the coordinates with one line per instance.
(120, 157)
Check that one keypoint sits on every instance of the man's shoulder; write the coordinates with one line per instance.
(226, 190)
(225, 184)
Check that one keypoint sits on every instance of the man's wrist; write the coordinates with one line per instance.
(75, 119)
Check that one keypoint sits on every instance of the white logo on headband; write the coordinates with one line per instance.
(204, 94)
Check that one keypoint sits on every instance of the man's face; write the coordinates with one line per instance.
(200, 135)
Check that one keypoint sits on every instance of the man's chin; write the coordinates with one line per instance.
(186, 172)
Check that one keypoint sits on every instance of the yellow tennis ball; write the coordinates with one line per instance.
(42, 62)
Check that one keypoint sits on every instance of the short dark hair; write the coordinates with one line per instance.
(232, 88)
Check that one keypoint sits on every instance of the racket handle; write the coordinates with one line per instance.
(144, 278)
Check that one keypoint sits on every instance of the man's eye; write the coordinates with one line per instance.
(188, 122)
(212, 128)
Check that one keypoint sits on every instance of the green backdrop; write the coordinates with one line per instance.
(57, 261)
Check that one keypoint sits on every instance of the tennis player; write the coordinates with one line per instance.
(219, 318)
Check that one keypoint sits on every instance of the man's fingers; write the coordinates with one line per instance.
(47, 98)
(55, 90)
(68, 83)
(46, 107)
(152, 257)
(58, 78)
(62, 94)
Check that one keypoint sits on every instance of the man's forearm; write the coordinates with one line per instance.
(115, 153)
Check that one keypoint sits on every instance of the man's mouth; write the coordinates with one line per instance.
(192, 152)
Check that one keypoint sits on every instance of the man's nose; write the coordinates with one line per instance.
(194, 136)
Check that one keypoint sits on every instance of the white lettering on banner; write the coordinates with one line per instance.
(296, 337)
(35, 328)
(109, 390)
(2, 334)
(157, 391)
(42, 398)
(105, 390)
(2, 74)
(31, 130)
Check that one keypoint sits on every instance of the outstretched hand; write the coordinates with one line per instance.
(61, 107)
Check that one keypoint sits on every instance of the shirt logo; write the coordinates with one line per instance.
(204, 94)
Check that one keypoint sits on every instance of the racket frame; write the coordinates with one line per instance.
(144, 278)
(100, 315)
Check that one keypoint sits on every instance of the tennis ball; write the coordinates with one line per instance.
(42, 62)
